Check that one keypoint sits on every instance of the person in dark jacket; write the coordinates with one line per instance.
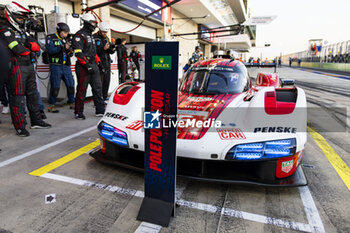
(60, 51)
(5, 90)
(20, 46)
(87, 67)
(122, 60)
(4, 66)
(104, 49)
(136, 57)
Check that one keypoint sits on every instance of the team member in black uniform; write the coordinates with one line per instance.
(22, 78)
(104, 49)
(87, 67)
(122, 60)
(4, 65)
(135, 57)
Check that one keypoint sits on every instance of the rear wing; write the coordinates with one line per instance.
(261, 65)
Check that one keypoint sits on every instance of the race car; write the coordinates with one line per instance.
(255, 134)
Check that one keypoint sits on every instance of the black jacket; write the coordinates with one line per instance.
(121, 53)
(84, 47)
(19, 45)
(100, 42)
(135, 56)
(4, 64)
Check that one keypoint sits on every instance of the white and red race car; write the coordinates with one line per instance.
(249, 134)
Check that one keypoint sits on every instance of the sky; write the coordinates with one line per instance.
(298, 21)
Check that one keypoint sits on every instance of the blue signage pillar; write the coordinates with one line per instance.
(161, 93)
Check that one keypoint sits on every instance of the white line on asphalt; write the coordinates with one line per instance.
(146, 227)
(45, 147)
(193, 205)
(311, 211)
(247, 216)
(116, 189)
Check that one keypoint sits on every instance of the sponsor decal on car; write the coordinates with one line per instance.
(116, 116)
(287, 166)
(230, 133)
(228, 124)
(136, 125)
(277, 129)
(198, 99)
(185, 113)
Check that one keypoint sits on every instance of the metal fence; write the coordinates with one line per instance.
(333, 53)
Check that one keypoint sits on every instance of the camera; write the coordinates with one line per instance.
(34, 25)
(111, 45)
(69, 38)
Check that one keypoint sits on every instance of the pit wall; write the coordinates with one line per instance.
(326, 66)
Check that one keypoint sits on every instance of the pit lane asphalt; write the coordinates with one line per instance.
(89, 207)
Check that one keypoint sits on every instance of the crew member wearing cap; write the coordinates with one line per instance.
(60, 51)
(196, 54)
(104, 49)
(87, 67)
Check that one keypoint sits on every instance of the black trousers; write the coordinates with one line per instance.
(84, 78)
(23, 86)
(122, 70)
(5, 90)
(105, 79)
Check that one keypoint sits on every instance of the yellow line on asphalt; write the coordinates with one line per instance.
(338, 164)
(47, 168)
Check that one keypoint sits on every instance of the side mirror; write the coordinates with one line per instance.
(287, 82)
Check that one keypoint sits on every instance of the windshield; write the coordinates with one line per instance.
(217, 80)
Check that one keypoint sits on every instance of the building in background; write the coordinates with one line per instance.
(186, 16)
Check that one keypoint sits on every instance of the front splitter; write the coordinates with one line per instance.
(135, 162)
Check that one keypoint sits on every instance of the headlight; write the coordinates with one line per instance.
(112, 134)
(262, 150)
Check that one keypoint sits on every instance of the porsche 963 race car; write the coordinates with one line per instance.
(249, 133)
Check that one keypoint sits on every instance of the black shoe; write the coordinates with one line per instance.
(22, 132)
(40, 125)
(42, 114)
(80, 116)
